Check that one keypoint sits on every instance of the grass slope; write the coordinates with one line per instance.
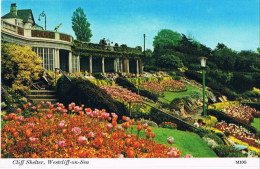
(169, 96)
(256, 123)
(186, 142)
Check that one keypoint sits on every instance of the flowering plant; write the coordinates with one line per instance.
(169, 125)
(87, 133)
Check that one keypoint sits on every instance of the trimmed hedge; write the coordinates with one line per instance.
(227, 151)
(222, 116)
(84, 92)
(126, 84)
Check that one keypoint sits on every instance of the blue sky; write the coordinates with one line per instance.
(232, 22)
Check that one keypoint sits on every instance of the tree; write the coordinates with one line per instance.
(20, 67)
(164, 39)
(169, 62)
(80, 25)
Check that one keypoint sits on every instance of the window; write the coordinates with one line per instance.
(47, 55)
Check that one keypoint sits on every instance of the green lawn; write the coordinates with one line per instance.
(169, 96)
(256, 123)
(186, 142)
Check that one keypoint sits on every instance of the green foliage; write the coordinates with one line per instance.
(227, 151)
(20, 67)
(84, 92)
(169, 62)
(207, 133)
(165, 39)
(80, 25)
(251, 95)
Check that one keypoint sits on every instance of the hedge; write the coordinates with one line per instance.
(227, 151)
(126, 84)
(84, 92)
(222, 116)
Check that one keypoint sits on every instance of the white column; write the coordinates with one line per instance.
(70, 62)
(127, 67)
(103, 64)
(90, 64)
(137, 66)
(78, 64)
(115, 64)
(56, 58)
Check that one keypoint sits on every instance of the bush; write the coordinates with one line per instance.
(227, 151)
(251, 95)
(20, 67)
(84, 92)
(255, 105)
(207, 133)
(176, 78)
(149, 122)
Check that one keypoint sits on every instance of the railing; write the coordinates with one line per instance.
(35, 33)
(176, 119)
(122, 48)
(62, 72)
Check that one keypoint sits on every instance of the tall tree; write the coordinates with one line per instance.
(165, 39)
(81, 26)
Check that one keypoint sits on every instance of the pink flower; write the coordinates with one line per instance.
(76, 130)
(170, 140)
(145, 126)
(61, 143)
(33, 140)
(31, 125)
(61, 124)
(119, 127)
(119, 156)
(188, 156)
(172, 154)
(20, 118)
(91, 134)
(49, 116)
(42, 102)
(76, 109)
(72, 104)
(48, 103)
(109, 126)
(82, 139)
(59, 109)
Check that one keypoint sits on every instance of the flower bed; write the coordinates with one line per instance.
(158, 87)
(241, 112)
(122, 94)
(84, 133)
(240, 133)
(169, 125)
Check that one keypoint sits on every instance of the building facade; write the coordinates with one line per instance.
(59, 50)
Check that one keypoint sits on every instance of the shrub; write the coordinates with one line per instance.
(20, 67)
(169, 125)
(149, 122)
(207, 133)
(176, 78)
(227, 151)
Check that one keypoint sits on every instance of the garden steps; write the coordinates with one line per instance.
(42, 95)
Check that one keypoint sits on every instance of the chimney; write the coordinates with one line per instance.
(13, 9)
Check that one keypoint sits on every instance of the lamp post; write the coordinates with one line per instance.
(42, 15)
(203, 67)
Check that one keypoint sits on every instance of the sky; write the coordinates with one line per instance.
(232, 22)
